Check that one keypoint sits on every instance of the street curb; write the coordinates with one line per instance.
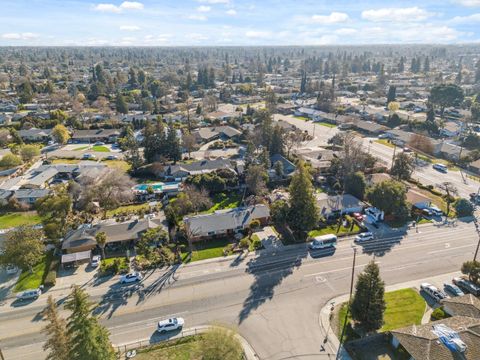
(248, 350)
(325, 311)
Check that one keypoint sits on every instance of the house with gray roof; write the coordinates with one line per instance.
(207, 134)
(91, 136)
(40, 180)
(466, 305)
(35, 134)
(224, 222)
(29, 196)
(181, 171)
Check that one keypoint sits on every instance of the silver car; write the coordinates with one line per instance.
(29, 294)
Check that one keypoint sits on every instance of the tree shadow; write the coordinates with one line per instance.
(157, 337)
(378, 246)
(116, 296)
(165, 279)
(269, 269)
(238, 260)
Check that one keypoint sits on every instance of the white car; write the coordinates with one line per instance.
(95, 261)
(130, 278)
(29, 294)
(433, 291)
(364, 237)
(435, 210)
(11, 269)
(170, 324)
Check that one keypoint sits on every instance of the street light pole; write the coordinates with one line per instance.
(349, 301)
(475, 221)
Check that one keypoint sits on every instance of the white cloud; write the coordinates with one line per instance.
(468, 3)
(129, 28)
(254, 34)
(333, 18)
(196, 37)
(346, 31)
(126, 5)
(197, 17)
(396, 14)
(19, 36)
(474, 18)
(204, 8)
(231, 12)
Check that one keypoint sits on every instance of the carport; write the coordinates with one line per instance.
(76, 258)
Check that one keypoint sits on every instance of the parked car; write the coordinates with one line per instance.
(95, 261)
(98, 143)
(88, 157)
(435, 210)
(112, 157)
(440, 167)
(407, 150)
(130, 278)
(453, 289)
(432, 291)
(467, 286)
(11, 269)
(427, 212)
(475, 198)
(29, 294)
(364, 237)
(170, 324)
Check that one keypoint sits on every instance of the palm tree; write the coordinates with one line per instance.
(101, 239)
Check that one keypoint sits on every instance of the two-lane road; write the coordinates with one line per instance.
(273, 299)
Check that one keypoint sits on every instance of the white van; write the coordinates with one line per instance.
(440, 167)
(323, 241)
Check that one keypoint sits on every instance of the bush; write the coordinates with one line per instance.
(255, 244)
(244, 243)
(438, 314)
(255, 224)
(50, 279)
(463, 207)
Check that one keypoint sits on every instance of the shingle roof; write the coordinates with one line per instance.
(85, 134)
(199, 167)
(466, 305)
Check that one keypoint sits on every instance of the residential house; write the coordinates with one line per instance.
(5, 196)
(118, 234)
(181, 171)
(369, 127)
(30, 196)
(466, 305)
(450, 151)
(288, 167)
(207, 134)
(343, 204)
(92, 136)
(40, 180)
(451, 129)
(224, 222)
(320, 159)
(35, 134)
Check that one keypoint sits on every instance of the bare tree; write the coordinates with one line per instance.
(189, 143)
(293, 139)
(421, 143)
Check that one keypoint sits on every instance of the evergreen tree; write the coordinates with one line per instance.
(132, 78)
(121, 104)
(276, 144)
(392, 94)
(403, 166)
(58, 342)
(356, 185)
(303, 82)
(303, 213)
(426, 65)
(173, 150)
(89, 339)
(368, 304)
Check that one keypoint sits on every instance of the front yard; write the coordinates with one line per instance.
(181, 349)
(209, 249)
(15, 219)
(333, 229)
(404, 307)
(32, 280)
(224, 201)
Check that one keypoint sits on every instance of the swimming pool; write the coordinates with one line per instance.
(144, 187)
(158, 187)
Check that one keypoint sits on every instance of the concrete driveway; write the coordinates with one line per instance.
(269, 238)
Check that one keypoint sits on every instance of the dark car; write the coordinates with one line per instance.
(467, 286)
(453, 289)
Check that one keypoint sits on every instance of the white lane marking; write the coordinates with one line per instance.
(337, 270)
(451, 248)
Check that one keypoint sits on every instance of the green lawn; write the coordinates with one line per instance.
(33, 280)
(117, 164)
(209, 249)
(127, 209)
(224, 201)
(14, 219)
(404, 307)
(181, 349)
(384, 142)
(332, 229)
(326, 124)
(100, 148)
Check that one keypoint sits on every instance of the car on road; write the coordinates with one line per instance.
(475, 198)
(323, 241)
(364, 237)
(31, 294)
(453, 289)
(467, 286)
(99, 143)
(440, 167)
(172, 324)
(131, 278)
(88, 156)
(95, 261)
(11, 269)
(432, 291)
(112, 157)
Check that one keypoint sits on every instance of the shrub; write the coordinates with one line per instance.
(255, 224)
(256, 244)
(50, 279)
(463, 207)
(438, 314)
(244, 243)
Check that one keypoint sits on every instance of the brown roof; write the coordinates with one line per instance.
(414, 197)
(422, 344)
(466, 305)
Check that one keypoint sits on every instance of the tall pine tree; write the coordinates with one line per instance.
(58, 341)
(368, 304)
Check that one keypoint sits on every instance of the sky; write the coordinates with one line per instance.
(237, 22)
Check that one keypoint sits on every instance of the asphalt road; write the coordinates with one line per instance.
(426, 174)
(274, 299)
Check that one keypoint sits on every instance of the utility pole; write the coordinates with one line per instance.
(475, 221)
(349, 301)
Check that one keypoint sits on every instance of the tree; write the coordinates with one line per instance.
(279, 171)
(54, 210)
(219, 344)
(446, 95)
(472, 269)
(60, 134)
(356, 185)
(189, 142)
(403, 166)
(391, 96)
(421, 143)
(23, 247)
(25, 92)
(293, 139)
(28, 152)
(368, 304)
(58, 341)
(276, 143)
(121, 105)
(303, 213)
(4, 137)
(130, 146)
(389, 196)
(174, 152)
(450, 191)
(89, 338)
(101, 238)
(256, 179)
(9, 161)
(463, 208)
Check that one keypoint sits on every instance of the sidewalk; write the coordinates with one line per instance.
(325, 311)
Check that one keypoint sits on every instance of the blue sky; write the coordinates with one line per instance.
(237, 22)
